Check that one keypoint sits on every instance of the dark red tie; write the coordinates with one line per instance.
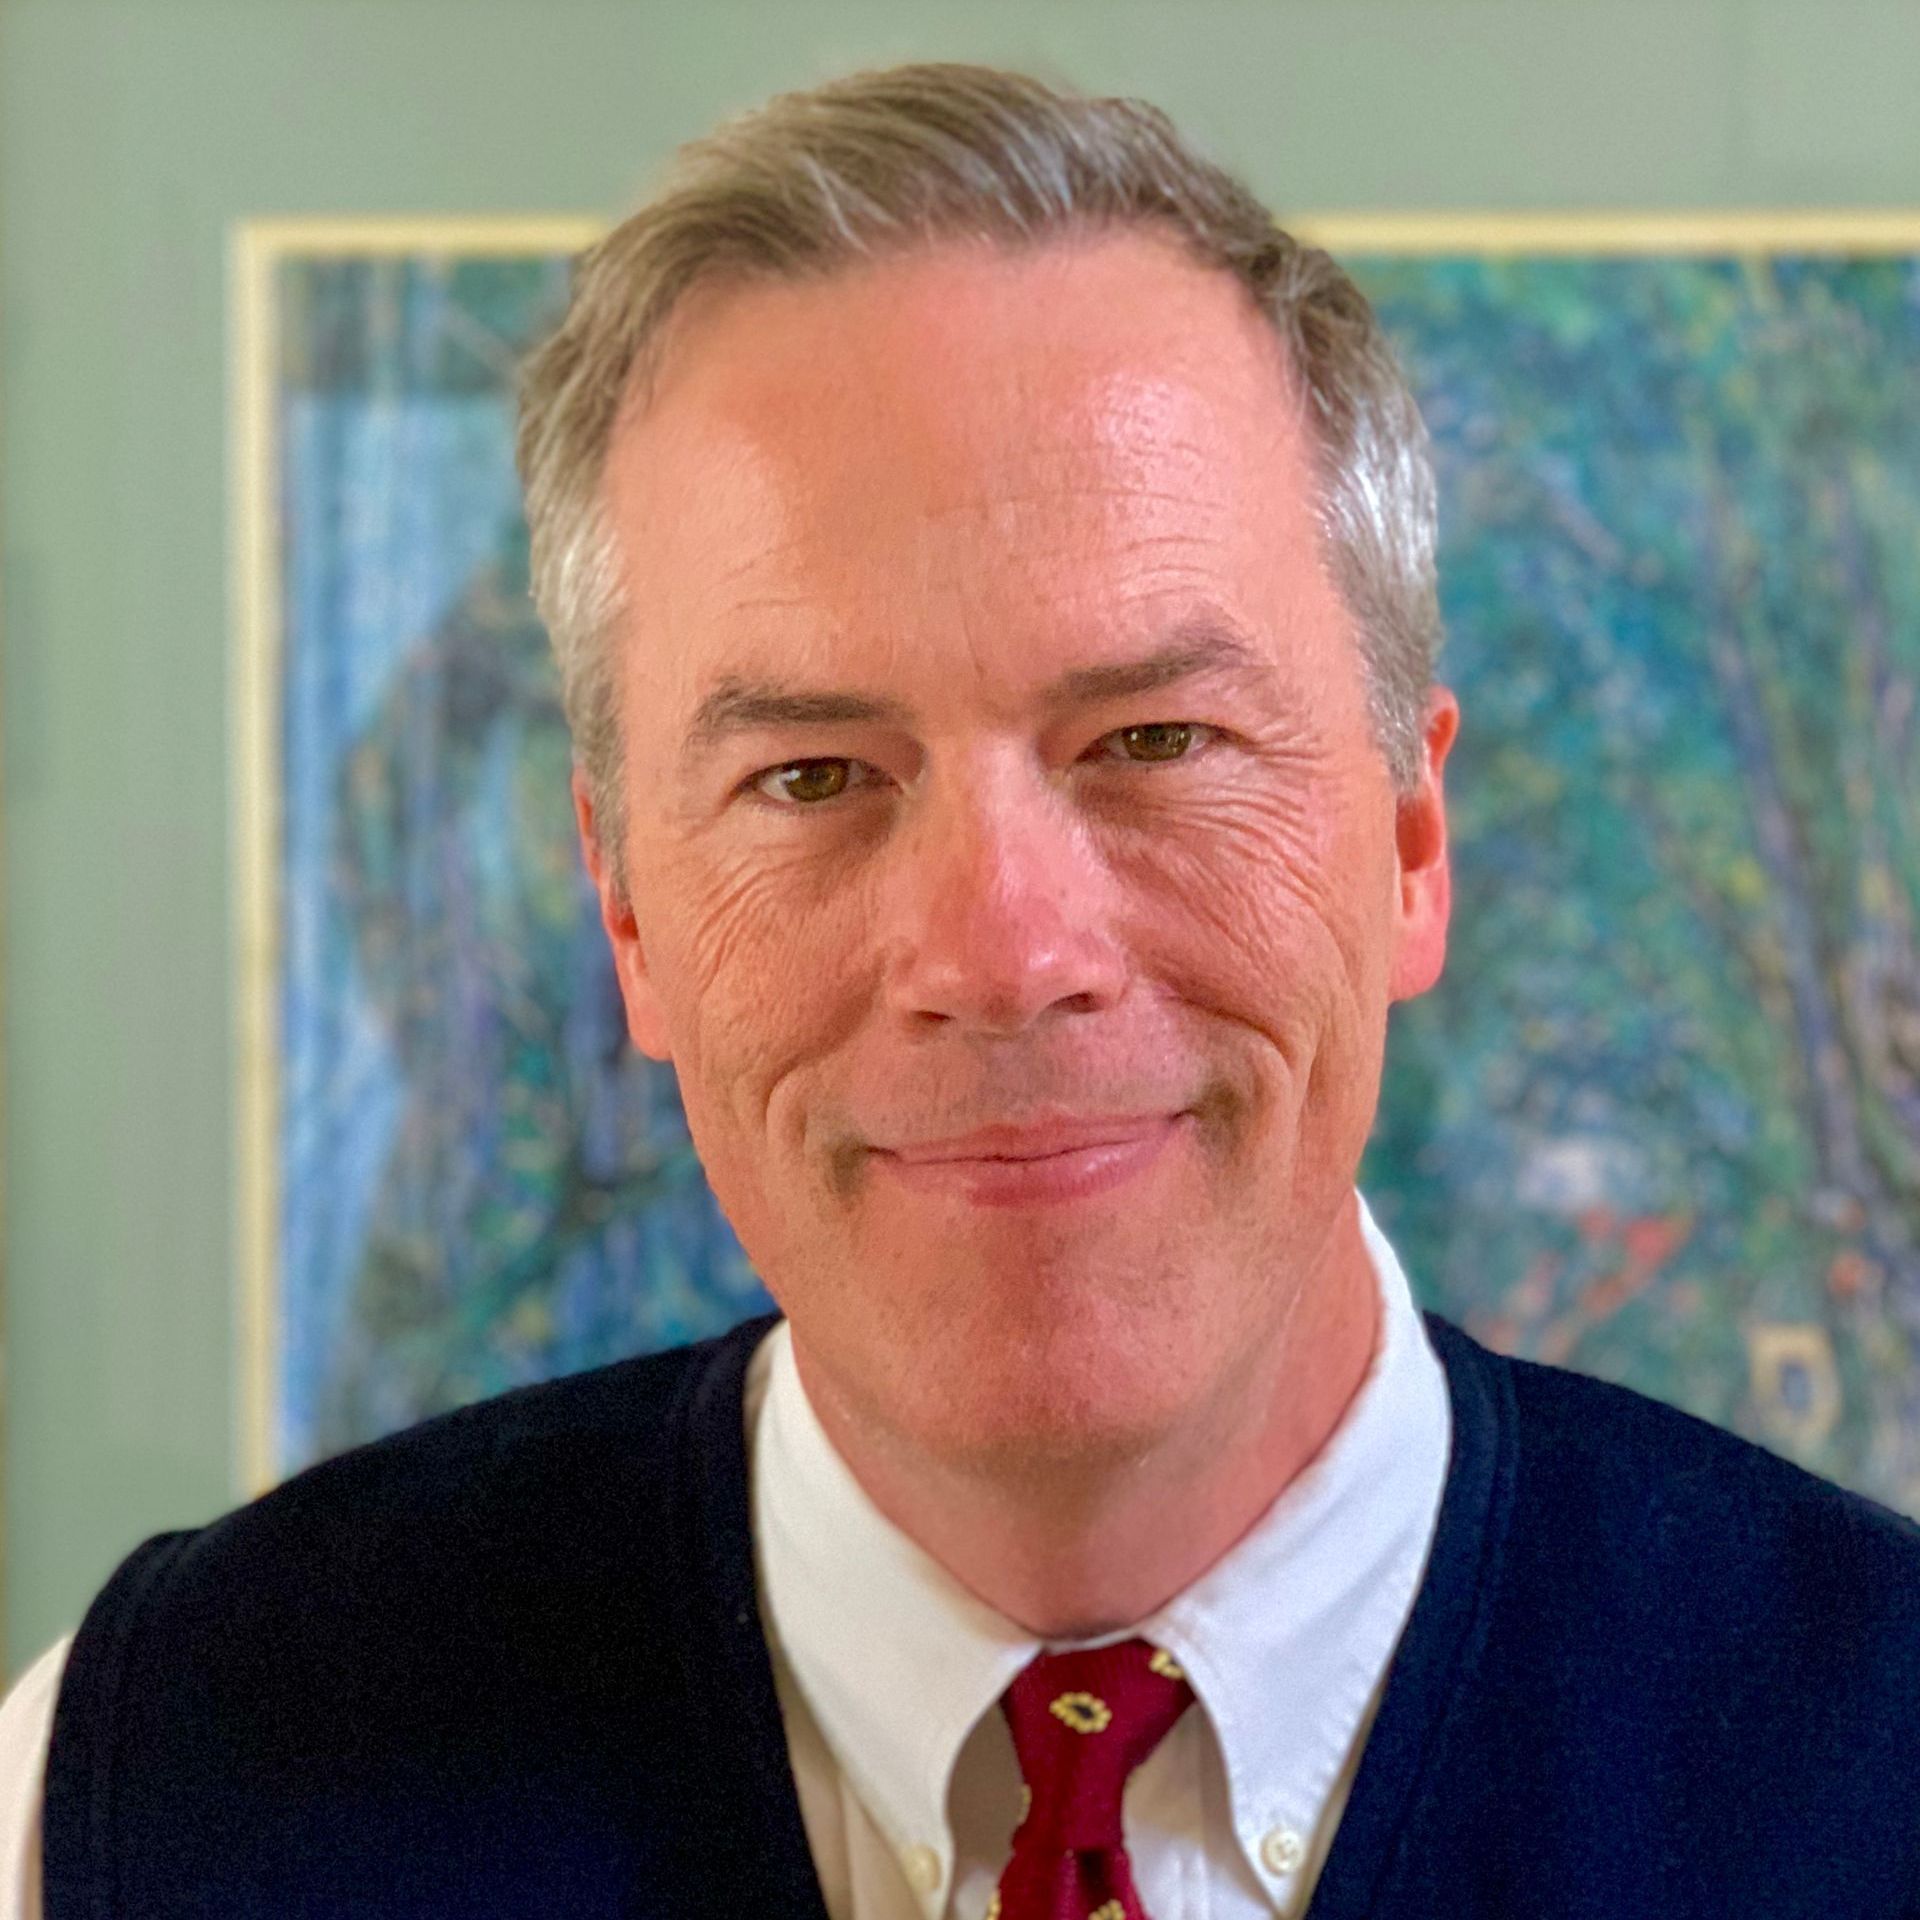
(1081, 1723)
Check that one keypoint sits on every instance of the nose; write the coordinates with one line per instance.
(998, 907)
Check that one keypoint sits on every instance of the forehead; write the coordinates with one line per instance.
(1044, 428)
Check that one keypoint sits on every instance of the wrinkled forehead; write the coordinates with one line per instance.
(1113, 359)
(1052, 425)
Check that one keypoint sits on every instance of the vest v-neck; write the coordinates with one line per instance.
(724, 1644)
(1432, 1666)
(1439, 1653)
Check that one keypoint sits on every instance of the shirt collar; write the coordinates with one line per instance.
(897, 1661)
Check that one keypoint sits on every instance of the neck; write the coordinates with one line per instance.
(1071, 1563)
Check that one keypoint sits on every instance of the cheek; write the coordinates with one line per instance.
(759, 966)
(1271, 916)
(1265, 906)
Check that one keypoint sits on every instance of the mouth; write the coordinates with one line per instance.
(1046, 1164)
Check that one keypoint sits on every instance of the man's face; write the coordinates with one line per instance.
(997, 756)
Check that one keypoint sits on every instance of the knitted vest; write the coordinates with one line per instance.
(510, 1662)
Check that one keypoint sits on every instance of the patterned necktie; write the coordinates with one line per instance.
(1081, 1723)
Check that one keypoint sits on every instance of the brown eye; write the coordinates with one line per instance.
(1166, 740)
(806, 781)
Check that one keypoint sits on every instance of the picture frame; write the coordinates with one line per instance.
(1632, 1260)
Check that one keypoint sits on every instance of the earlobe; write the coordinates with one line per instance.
(646, 1019)
(1424, 899)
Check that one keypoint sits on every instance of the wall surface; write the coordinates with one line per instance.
(133, 133)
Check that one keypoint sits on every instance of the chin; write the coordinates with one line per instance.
(994, 1444)
(1059, 1395)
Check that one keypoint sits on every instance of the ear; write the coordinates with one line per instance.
(1424, 895)
(646, 1018)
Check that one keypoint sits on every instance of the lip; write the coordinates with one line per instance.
(1067, 1133)
(1044, 1163)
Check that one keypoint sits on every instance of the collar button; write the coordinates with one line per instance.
(1282, 1850)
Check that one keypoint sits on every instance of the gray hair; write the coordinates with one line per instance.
(883, 162)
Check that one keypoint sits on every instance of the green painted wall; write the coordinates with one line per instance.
(134, 132)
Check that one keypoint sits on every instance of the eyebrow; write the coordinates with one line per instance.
(738, 706)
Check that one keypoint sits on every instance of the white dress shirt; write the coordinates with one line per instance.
(889, 1672)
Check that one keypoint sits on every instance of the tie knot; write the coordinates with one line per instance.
(1081, 1722)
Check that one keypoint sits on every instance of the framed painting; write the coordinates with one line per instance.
(1660, 1121)
(455, 1176)
(6, 1676)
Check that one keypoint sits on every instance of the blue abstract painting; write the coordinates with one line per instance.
(1661, 1120)
(482, 1185)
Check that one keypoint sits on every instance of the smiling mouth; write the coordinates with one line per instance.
(1037, 1140)
(1046, 1165)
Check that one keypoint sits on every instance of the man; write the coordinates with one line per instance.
(991, 572)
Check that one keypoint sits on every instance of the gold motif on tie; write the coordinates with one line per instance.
(993, 1906)
(1108, 1910)
(1083, 1712)
(1166, 1666)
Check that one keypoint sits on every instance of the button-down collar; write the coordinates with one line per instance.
(1285, 1638)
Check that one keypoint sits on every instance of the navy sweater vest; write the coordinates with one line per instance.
(510, 1663)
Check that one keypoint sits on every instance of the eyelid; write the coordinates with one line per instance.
(1205, 735)
(752, 789)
